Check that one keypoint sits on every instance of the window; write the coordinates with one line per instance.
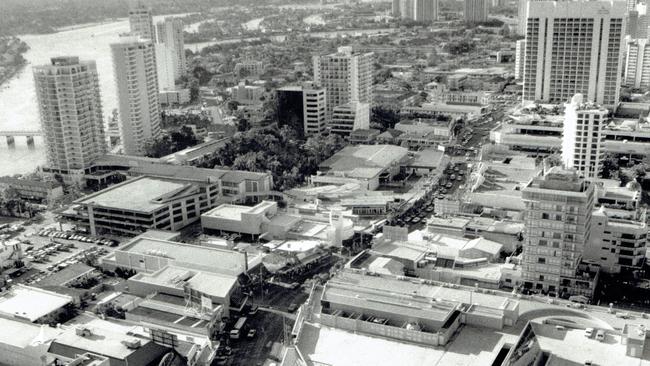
(545, 216)
(541, 260)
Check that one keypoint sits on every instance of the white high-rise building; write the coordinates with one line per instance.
(395, 11)
(476, 11)
(637, 64)
(582, 136)
(137, 89)
(165, 67)
(406, 9)
(170, 33)
(71, 113)
(574, 47)
(345, 75)
(520, 55)
(141, 21)
(425, 10)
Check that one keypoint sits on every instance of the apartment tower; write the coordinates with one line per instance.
(71, 112)
(582, 136)
(637, 64)
(345, 75)
(141, 21)
(476, 11)
(574, 47)
(559, 206)
(520, 55)
(425, 10)
(170, 34)
(137, 90)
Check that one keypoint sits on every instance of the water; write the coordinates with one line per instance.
(18, 108)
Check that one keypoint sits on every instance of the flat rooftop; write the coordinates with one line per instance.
(382, 299)
(415, 287)
(21, 335)
(105, 339)
(571, 347)
(31, 303)
(234, 212)
(365, 156)
(143, 194)
(190, 256)
(334, 347)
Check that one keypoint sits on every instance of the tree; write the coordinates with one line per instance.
(609, 167)
(243, 125)
(176, 141)
(384, 118)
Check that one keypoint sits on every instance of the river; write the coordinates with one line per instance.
(18, 108)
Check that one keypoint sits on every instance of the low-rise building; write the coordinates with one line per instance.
(365, 165)
(480, 98)
(428, 110)
(24, 343)
(34, 305)
(32, 189)
(364, 136)
(252, 221)
(110, 339)
(249, 68)
(144, 203)
(246, 94)
(407, 309)
(174, 97)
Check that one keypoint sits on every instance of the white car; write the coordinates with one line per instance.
(589, 332)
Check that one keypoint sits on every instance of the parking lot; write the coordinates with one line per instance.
(49, 250)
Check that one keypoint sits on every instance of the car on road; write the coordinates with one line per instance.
(292, 307)
(251, 333)
(600, 335)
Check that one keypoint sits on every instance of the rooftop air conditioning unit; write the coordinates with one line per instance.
(83, 332)
(132, 344)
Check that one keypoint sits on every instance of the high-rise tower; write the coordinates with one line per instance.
(71, 112)
(574, 47)
(137, 88)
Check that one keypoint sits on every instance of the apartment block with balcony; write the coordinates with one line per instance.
(136, 79)
(574, 47)
(346, 76)
(637, 64)
(70, 110)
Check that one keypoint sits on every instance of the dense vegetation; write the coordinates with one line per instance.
(278, 151)
(169, 144)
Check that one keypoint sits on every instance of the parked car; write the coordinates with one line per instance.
(293, 307)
